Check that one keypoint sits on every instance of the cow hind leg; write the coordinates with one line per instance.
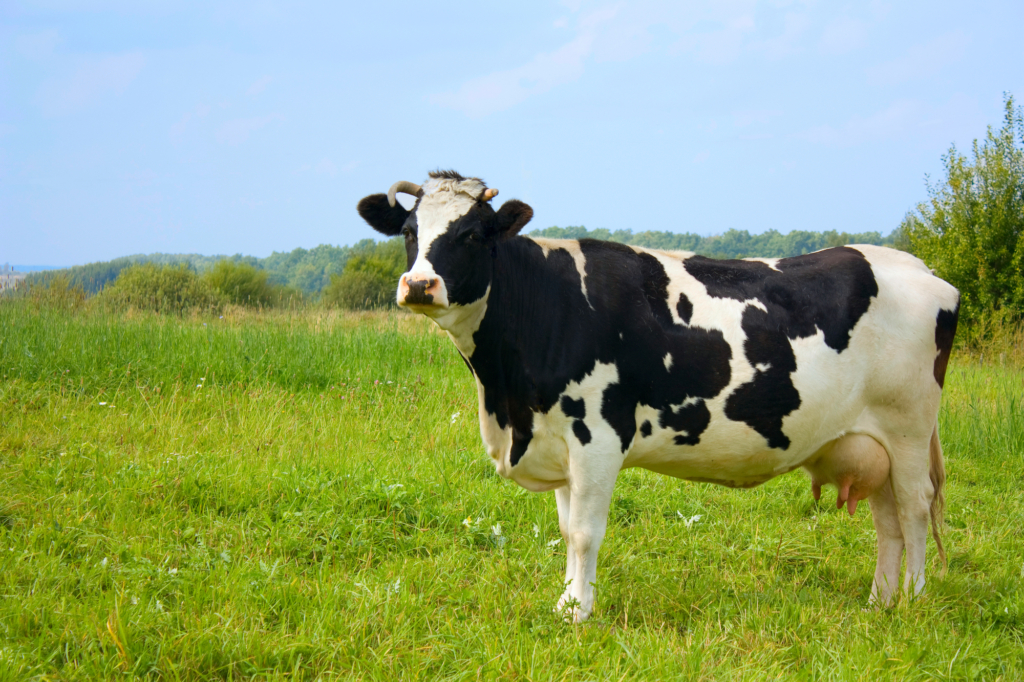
(890, 544)
(913, 491)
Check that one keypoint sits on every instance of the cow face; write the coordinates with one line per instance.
(451, 234)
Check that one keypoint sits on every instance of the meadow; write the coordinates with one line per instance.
(304, 495)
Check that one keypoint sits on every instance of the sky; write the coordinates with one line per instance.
(251, 127)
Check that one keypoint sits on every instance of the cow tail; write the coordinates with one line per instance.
(937, 472)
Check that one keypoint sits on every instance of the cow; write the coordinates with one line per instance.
(590, 357)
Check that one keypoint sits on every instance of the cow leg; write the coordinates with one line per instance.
(890, 544)
(913, 491)
(591, 492)
(562, 498)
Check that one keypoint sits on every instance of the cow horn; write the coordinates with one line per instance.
(405, 187)
(490, 194)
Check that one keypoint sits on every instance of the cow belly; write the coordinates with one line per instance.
(740, 465)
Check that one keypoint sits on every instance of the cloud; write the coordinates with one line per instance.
(199, 112)
(326, 167)
(794, 26)
(238, 130)
(882, 125)
(921, 61)
(93, 78)
(843, 35)
(259, 86)
(742, 119)
(501, 90)
(37, 46)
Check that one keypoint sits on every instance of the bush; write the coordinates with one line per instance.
(370, 277)
(971, 230)
(165, 289)
(58, 292)
(242, 284)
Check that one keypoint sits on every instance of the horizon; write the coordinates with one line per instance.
(43, 268)
(223, 128)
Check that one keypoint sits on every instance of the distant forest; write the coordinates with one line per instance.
(310, 270)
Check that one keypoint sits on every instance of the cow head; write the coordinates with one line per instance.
(451, 234)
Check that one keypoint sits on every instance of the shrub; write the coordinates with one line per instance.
(971, 230)
(57, 292)
(242, 284)
(165, 289)
(369, 279)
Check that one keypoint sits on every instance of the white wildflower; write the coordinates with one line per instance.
(536, 531)
(689, 521)
(468, 521)
(554, 543)
(455, 416)
(135, 601)
(496, 529)
(102, 403)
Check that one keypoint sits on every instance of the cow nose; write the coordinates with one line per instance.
(419, 290)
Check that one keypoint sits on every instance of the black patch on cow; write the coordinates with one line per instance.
(645, 428)
(576, 409)
(520, 441)
(381, 215)
(828, 290)
(763, 402)
(689, 420)
(581, 431)
(540, 334)
(684, 308)
(945, 331)
(460, 255)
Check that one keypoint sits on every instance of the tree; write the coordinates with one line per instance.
(370, 277)
(241, 283)
(971, 229)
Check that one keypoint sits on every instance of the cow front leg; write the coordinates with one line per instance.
(591, 496)
(563, 497)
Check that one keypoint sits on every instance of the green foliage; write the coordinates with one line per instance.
(971, 230)
(57, 292)
(163, 289)
(242, 284)
(370, 276)
(732, 244)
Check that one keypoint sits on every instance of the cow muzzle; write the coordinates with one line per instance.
(422, 293)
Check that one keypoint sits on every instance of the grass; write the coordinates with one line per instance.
(304, 496)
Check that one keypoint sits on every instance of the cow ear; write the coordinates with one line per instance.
(512, 217)
(382, 217)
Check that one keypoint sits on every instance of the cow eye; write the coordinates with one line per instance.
(473, 237)
(409, 234)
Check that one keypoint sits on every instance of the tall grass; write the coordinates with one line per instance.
(304, 496)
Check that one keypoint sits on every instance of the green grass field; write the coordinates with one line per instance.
(305, 496)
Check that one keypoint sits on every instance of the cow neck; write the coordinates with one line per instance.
(522, 318)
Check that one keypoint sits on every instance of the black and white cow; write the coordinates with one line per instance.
(591, 357)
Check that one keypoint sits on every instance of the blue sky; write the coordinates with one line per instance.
(226, 127)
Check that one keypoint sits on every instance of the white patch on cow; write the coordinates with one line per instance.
(572, 247)
(443, 202)
(763, 366)
(668, 361)
(462, 321)
(688, 402)
(770, 262)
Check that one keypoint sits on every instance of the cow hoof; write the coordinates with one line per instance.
(569, 609)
